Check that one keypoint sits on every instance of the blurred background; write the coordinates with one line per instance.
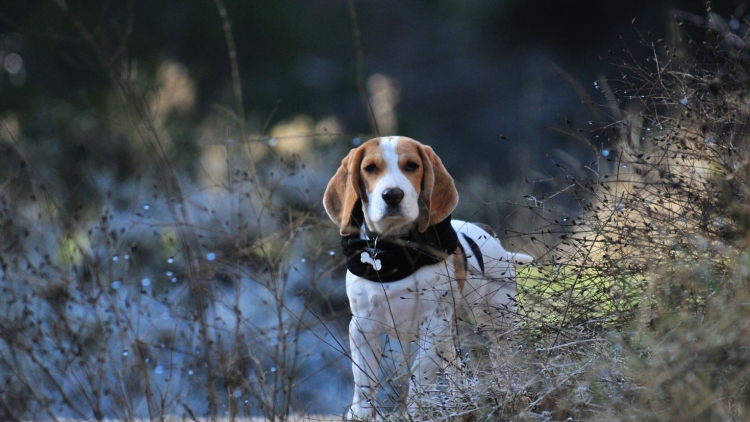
(493, 87)
(459, 76)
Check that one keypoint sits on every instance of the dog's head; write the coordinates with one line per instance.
(400, 181)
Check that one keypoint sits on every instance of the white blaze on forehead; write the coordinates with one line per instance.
(388, 150)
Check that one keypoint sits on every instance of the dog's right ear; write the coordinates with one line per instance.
(342, 193)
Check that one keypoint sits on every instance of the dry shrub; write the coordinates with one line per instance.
(156, 288)
(638, 310)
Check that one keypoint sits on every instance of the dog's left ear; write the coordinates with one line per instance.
(439, 195)
(342, 192)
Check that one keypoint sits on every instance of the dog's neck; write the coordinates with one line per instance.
(367, 232)
(387, 257)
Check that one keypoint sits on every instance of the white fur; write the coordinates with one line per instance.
(410, 310)
(488, 297)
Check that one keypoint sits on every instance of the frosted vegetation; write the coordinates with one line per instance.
(205, 281)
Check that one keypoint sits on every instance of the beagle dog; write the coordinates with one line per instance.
(412, 270)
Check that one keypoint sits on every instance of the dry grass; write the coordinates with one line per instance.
(291, 418)
(640, 308)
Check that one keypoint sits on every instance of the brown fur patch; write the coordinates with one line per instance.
(408, 151)
(459, 268)
(372, 156)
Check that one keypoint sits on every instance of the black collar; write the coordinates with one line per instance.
(390, 258)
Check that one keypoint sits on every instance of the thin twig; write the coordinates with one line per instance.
(360, 57)
(237, 89)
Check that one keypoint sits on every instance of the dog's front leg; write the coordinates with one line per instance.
(364, 343)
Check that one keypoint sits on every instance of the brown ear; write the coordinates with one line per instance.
(439, 195)
(342, 192)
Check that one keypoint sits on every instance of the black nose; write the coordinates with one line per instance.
(393, 196)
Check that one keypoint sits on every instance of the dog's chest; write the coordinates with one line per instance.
(406, 305)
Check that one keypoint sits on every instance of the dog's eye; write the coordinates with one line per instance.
(411, 166)
(371, 168)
